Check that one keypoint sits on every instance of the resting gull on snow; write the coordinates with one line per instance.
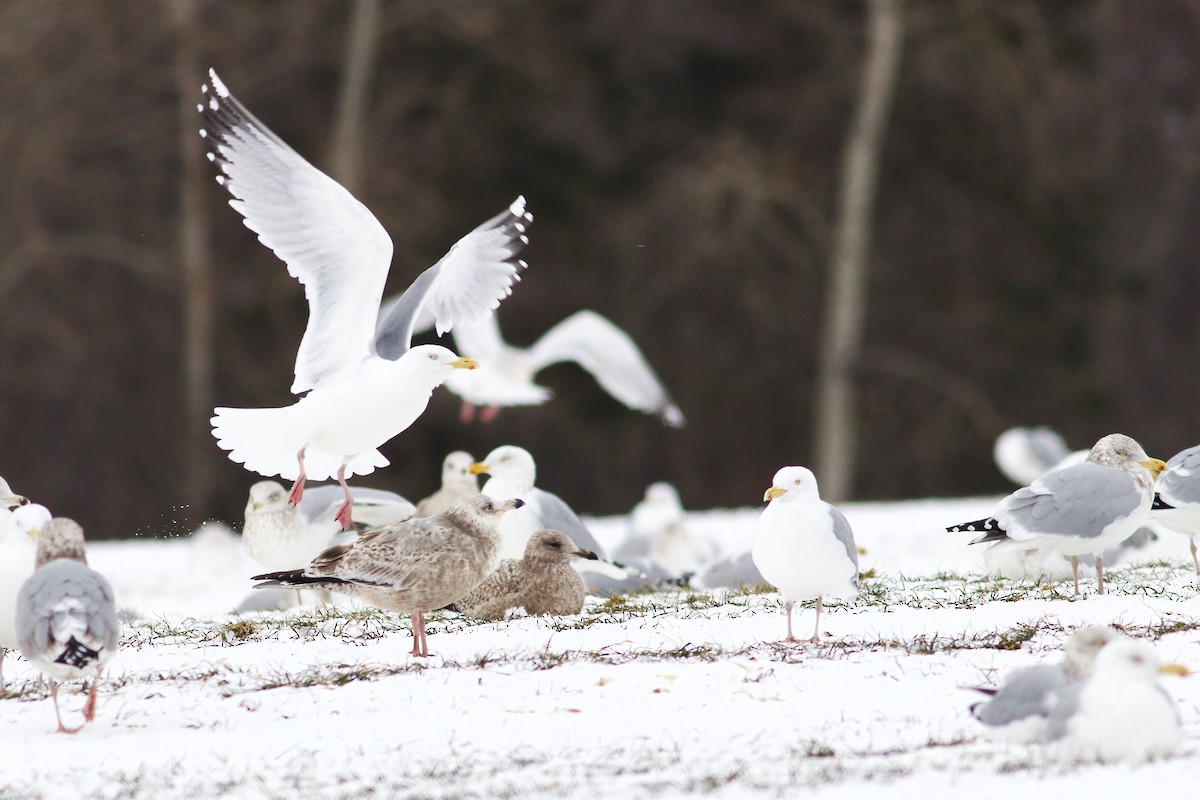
(1077, 509)
(415, 566)
(365, 383)
(541, 582)
(506, 373)
(19, 530)
(457, 482)
(658, 532)
(1022, 704)
(803, 546)
(66, 618)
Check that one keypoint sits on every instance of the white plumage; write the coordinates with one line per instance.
(19, 529)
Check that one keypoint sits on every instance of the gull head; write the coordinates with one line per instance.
(60, 538)
(1083, 646)
(554, 546)
(30, 519)
(793, 483)
(456, 467)
(481, 510)
(508, 462)
(266, 496)
(435, 358)
(1123, 452)
(662, 494)
(1133, 661)
(8, 498)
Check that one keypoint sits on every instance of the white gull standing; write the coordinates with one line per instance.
(457, 482)
(19, 529)
(506, 374)
(1077, 509)
(365, 383)
(66, 617)
(803, 546)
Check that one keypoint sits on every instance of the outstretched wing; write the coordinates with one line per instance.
(611, 356)
(466, 284)
(330, 242)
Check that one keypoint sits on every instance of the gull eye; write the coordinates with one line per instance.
(797, 481)
(433, 356)
(487, 506)
(556, 545)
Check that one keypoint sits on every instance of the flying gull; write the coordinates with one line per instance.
(66, 619)
(541, 582)
(415, 566)
(803, 546)
(365, 383)
(1077, 509)
(457, 482)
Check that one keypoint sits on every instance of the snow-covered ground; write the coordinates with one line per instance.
(668, 694)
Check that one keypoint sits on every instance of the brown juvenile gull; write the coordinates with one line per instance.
(365, 383)
(457, 482)
(66, 618)
(415, 566)
(542, 582)
(1077, 509)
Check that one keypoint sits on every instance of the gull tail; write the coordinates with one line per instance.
(988, 526)
(294, 578)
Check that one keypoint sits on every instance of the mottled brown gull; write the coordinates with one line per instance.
(541, 582)
(1077, 509)
(66, 618)
(415, 566)
(457, 482)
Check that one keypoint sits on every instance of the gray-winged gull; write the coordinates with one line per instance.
(541, 581)
(1077, 509)
(506, 373)
(457, 482)
(19, 530)
(415, 566)
(730, 572)
(66, 618)
(1026, 454)
(1120, 713)
(365, 384)
(803, 546)
(1022, 704)
(658, 532)
(1177, 502)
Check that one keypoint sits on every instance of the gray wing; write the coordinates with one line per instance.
(1029, 692)
(731, 572)
(651, 575)
(633, 547)
(372, 507)
(66, 596)
(1067, 706)
(841, 529)
(467, 283)
(503, 589)
(555, 514)
(1077, 501)
(1180, 483)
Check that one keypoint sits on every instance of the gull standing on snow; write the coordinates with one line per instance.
(66, 617)
(1077, 509)
(412, 567)
(19, 530)
(541, 582)
(1177, 504)
(1020, 707)
(506, 373)
(365, 383)
(658, 532)
(803, 546)
(457, 482)
(1120, 713)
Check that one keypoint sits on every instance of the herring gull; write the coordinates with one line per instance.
(506, 374)
(658, 532)
(365, 383)
(415, 566)
(1019, 708)
(541, 582)
(1177, 503)
(66, 618)
(457, 482)
(803, 546)
(1026, 454)
(1120, 713)
(19, 530)
(1077, 509)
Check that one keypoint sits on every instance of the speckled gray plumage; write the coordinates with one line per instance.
(541, 582)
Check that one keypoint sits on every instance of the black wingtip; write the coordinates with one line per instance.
(985, 525)
(1159, 504)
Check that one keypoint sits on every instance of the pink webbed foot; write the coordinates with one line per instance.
(466, 414)
(489, 414)
(345, 516)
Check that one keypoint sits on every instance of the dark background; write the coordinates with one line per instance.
(1034, 257)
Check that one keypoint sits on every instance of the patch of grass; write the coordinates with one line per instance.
(240, 629)
(1013, 638)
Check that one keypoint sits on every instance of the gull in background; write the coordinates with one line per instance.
(365, 382)
(66, 618)
(658, 532)
(1025, 454)
(506, 373)
(19, 529)
(1077, 509)
(457, 482)
(804, 546)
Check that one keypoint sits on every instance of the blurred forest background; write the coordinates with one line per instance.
(1033, 256)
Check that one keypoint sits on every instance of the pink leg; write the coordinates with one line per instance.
(89, 709)
(416, 619)
(1196, 561)
(1100, 573)
(298, 487)
(788, 606)
(816, 637)
(61, 728)
(466, 414)
(344, 515)
(489, 414)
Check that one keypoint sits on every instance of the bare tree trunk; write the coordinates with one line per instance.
(362, 49)
(843, 326)
(196, 258)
